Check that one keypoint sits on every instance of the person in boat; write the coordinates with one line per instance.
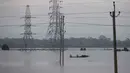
(83, 49)
(70, 55)
(77, 56)
(126, 49)
(5, 47)
(119, 50)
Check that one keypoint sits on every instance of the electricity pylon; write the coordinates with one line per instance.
(27, 35)
(54, 24)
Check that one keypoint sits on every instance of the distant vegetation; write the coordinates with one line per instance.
(102, 41)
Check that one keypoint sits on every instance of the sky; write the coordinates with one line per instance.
(97, 13)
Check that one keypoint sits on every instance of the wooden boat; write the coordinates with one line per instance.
(77, 56)
(125, 49)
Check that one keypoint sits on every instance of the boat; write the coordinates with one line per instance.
(126, 49)
(118, 50)
(77, 56)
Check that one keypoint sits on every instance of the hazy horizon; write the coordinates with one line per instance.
(41, 7)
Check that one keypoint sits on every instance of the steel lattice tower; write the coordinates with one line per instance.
(54, 25)
(27, 27)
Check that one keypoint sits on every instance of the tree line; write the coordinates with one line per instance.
(102, 41)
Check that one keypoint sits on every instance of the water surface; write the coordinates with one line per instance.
(48, 62)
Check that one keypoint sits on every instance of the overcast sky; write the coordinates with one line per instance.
(41, 7)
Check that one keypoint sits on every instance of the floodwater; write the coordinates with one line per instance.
(48, 62)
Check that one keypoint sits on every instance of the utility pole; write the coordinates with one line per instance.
(63, 32)
(62, 40)
(60, 21)
(113, 15)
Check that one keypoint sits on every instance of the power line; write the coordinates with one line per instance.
(89, 2)
(72, 24)
(85, 13)
(93, 24)
(8, 16)
(64, 14)
(41, 15)
(87, 24)
(88, 17)
(124, 16)
(9, 25)
(22, 25)
(14, 16)
(125, 11)
(120, 17)
(96, 2)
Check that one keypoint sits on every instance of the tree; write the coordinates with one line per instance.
(5, 47)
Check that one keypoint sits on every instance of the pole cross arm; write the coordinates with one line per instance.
(111, 14)
(118, 14)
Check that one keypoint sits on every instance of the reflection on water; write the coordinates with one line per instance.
(48, 62)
